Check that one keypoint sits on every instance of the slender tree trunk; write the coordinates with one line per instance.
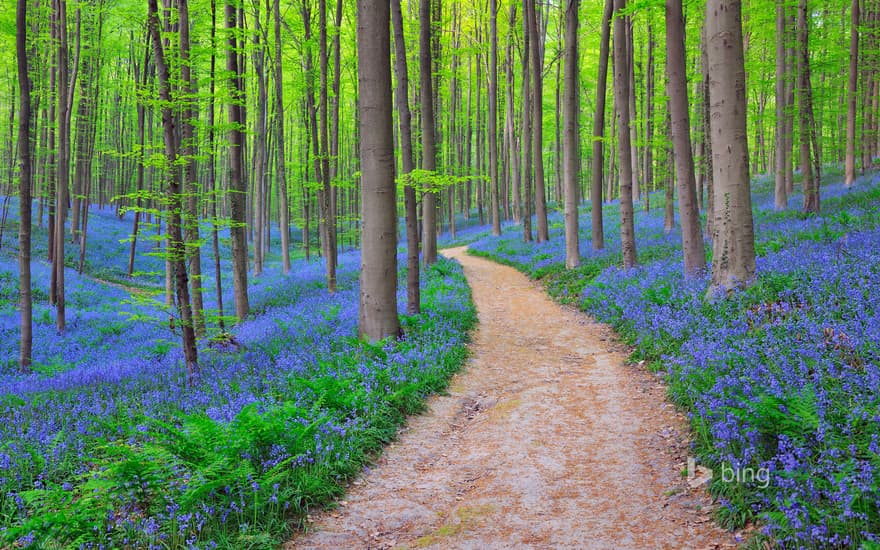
(648, 170)
(413, 297)
(707, 136)
(571, 142)
(429, 160)
(676, 74)
(598, 232)
(66, 82)
(780, 191)
(805, 108)
(512, 142)
(212, 174)
(790, 87)
(733, 263)
(327, 212)
(633, 115)
(260, 153)
(527, 128)
(493, 117)
(281, 160)
(622, 101)
(191, 186)
(177, 252)
(378, 289)
(537, 76)
(237, 182)
(852, 90)
(25, 299)
(140, 83)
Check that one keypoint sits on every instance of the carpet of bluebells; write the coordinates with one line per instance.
(783, 376)
(107, 445)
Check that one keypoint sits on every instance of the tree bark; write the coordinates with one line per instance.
(526, 129)
(413, 292)
(598, 232)
(281, 160)
(237, 183)
(429, 157)
(212, 174)
(327, 212)
(780, 192)
(378, 288)
(25, 299)
(191, 185)
(493, 117)
(177, 252)
(676, 74)
(622, 101)
(805, 110)
(537, 59)
(733, 255)
(852, 90)
(512, 142)
(571, 143)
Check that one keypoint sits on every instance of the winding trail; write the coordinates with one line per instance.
(547, 439)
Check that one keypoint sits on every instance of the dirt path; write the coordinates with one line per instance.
(546, 440)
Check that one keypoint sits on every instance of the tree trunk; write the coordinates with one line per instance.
(789, 102)
(527, 129)
(378, 288)
(537, 59)
(429, 160)
(622, 101)
(237, 182)
(493, 117)
(281, 161)
(413, 292)
(25, 299)
(212, 174)
(676, 74)
(191, 186)
(327, 212)
(177, 252)
(648, 170)
(805, 109)
(780, 192)
(733, 255)
(140, 84)
(707, 136)
(598, 232)
(571, 143)
(512, 142)
(851, 90)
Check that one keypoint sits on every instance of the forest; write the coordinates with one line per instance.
(267, 265)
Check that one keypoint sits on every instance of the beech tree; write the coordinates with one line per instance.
(177, 251)
(571, 143)
(537, 75)
(413, 291)
(809, 162)
(622, 103)
(733, 243)
(851, 92)
(429, 155)
(493, 118)
(378, 290)
(691, 233)
(598, 232)
(24, 188)
(782, 160)
(237, 184)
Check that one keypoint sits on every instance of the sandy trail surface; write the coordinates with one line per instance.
(546, 439)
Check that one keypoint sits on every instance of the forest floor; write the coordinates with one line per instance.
(546, 439)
